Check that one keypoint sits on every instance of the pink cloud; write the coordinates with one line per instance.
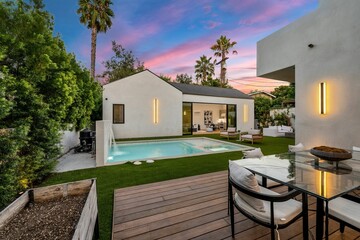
(212, 24)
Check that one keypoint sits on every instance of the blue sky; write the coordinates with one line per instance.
(170, 35)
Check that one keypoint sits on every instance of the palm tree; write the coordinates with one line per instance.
(221, 48)
(96, 15)
(204, 69)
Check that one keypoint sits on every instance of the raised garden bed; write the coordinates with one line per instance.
(64, 211)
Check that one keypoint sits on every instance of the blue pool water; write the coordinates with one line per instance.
(168, 148)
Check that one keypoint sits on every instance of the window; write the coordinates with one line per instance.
(118, 113)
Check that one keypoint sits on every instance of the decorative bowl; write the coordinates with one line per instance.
(330, 153)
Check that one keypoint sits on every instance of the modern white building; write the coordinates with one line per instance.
(144, 105)
(321, 54)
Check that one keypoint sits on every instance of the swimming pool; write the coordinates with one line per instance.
(134, 151)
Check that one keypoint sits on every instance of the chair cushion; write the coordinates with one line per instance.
(231, 129)
(256, 153)
(245, 178)
(254, 131)
(269, 182)
(296, 148)
(283, 211)
(346, 210)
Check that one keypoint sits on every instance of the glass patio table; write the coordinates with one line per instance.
(311, 175)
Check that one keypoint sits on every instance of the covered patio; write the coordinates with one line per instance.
(195, 208)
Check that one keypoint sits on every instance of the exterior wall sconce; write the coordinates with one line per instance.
(156, 111)
(322, 98)
(246, 113)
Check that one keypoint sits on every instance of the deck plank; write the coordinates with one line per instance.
(195, 208)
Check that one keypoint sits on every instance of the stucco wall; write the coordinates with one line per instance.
(138, 92)
(241, 125)
(69, 139)
(334, 30)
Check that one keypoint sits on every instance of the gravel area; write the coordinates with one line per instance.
(55, 219)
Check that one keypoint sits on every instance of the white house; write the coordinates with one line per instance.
(144, 105)
(321, 54)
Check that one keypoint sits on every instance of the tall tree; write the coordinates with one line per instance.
(221, 48)
(204, 69)
(43, 90)
(122, 64)
(96, 15)
(184, 78)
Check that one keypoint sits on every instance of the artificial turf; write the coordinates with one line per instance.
(125, 175)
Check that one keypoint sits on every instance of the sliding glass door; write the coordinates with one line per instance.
(231, 115)
(187, 118)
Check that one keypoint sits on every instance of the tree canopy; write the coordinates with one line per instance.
(122, 64)
(204, 69)
(283, 93)
(184, 78)
(43, 90)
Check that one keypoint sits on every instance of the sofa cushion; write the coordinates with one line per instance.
(285, 129)
(296, 148)
(244, 177)
(357, 149)
(255, 153)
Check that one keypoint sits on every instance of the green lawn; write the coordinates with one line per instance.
(119, 176)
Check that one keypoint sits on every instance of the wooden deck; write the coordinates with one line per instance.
(195, 208)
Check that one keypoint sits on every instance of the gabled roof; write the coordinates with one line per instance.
(261, 92)
(209, 91)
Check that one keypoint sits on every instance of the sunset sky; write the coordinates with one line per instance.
(170, 35)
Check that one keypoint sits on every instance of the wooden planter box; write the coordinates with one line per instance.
(87, 226)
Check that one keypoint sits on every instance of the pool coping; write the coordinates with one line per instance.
(177, 156)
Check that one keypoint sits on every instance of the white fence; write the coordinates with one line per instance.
(104, 139)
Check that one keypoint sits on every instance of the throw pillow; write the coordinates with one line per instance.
(245, 178)
(256, 153)
(296, 148)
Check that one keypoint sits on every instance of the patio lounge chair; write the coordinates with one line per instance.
(263, 206)
(231, 132)
(345, 210)
(252, 136)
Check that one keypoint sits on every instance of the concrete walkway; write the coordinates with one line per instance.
(75, 161)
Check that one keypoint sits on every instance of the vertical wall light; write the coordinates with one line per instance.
(322, 98)
(156, 110)
(246, 113)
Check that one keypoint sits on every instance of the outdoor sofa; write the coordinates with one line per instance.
(277, 131)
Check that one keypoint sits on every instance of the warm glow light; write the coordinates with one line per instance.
(322, 183)
(322, 98)
(156, 110)
(246, 113)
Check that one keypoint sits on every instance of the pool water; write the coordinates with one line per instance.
(124, 152)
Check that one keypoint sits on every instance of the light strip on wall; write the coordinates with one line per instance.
(322, 98)
(156, 110)
(246, 113)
